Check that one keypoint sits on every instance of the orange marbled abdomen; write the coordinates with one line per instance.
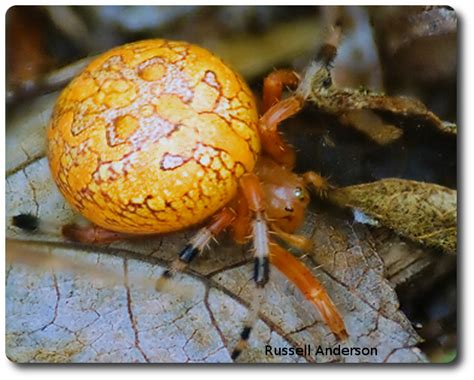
(152, 137)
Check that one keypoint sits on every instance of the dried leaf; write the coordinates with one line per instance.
(423, 212)
(338, 100)
(372, 125)
(27, 55)
(109, 314)
(428, 34)
(49, 82)
(413, 24)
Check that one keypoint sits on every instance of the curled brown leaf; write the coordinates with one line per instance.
(423, 212)
(339, 101)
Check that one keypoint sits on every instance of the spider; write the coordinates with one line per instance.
(249, 189)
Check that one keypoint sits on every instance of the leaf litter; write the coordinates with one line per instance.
(61, 315)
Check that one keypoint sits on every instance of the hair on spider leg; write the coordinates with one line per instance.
(317, 293)
(248, 237)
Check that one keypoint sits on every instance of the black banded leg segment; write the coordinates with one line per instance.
(261, 243)
(26, 222)
(262, 251)
(196, 245)
(261, 274)
(90, 234)
(250, 319)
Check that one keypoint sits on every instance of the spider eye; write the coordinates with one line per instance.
(299, 193)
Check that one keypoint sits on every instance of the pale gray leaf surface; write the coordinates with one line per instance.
(64, 316)
(26, 137)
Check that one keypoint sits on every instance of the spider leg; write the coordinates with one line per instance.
(196, 245)
(82, 234)
(254, 196)
(241, 226)
(334, 23)
(298, 241)
(318, 183)
(312, 289)
(273, 86)
(275, 111)
(92, 234)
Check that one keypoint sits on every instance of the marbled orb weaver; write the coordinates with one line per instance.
(158, 136)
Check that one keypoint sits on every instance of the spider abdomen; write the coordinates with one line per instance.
(152, 137)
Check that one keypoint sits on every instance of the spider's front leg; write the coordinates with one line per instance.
(275, 111)
(274, 83)
(317, 183)
(311, 288)
(254, 198)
